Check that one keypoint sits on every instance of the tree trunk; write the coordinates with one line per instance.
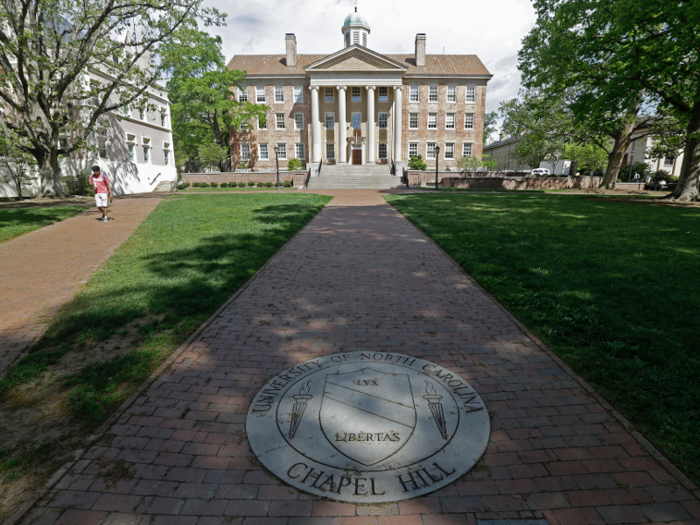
(688, 188)
(615, 159)
(50, 176)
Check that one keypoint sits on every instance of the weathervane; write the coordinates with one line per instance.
(356, 6)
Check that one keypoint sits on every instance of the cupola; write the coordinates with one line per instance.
(355, 30)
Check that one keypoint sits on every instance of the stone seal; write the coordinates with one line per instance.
(368, 427)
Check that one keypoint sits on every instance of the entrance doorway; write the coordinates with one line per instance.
(356, 156)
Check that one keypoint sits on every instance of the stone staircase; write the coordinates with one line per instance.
(348, 177)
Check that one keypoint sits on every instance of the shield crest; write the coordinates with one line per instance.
(367, 415)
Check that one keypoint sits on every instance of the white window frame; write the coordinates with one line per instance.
(332, 146)
(453, 118)
(383, 98)
(413, 143)
(433, 125)
(146, 147)
(444, 149)
(358, 90)
(329, 97)
(279, 94)
(470, 94)
(410, 115)
(433, 93)
(451, 94)
(245, 146)
(427, 150)
(131, 151)
(386, 121)
(264, 126)
(414, 94)
(101, 140)
(266, 155)
(386, 151)
(296, 121)
(464, 149)
(283, 122)
(242, 95)
(297, 147)
(260, 97)
(166, 157)
(466, 121)
(329, 118)
(352, 120)
(298, 94)
(282, 145)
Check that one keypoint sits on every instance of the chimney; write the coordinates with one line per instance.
(420, 49)
(291, 42)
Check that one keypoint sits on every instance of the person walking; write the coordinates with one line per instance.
(103, 191)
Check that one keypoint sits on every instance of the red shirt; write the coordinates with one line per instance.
(100, 183)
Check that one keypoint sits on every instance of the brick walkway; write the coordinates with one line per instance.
(359, 276)
(40, 271)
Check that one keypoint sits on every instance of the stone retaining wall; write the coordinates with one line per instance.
(501, 181)
(298, 178)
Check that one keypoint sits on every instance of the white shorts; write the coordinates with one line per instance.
(101, 200)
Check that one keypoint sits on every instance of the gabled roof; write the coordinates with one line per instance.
(361, 55)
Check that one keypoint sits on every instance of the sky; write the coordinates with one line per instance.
(491, 29)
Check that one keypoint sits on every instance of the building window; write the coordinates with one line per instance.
(355, 37)
(263, 154)
(146, 156)
(102, 147)
(413, 121)
(262, 123)
(127, 113)
(131, 153)
(356, 120)
(413, 94)
(330, 150)
(300, 151)
(450, 121)
(471, 94)
(383, 120)
(412, 149)
(451, 93)
(260, 95)
(279, 121)
(430, 150)
(330, 120)
(449, 150)
(245, 151)
(668, 161)
(298, 94)
(142, 115)
(162, 119)
(166, 157)
(279, 94)
(281, 151)
(298, 121)
(347, 39)
(364, 39)
(356, 94)
(242, 95)
(244, 125)
(330, 95)
(432, 120)
(384, 94)
(469, 121)
(433, 95)
(382, 150)
(467, 149)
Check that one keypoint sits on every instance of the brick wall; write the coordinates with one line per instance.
(298, 178)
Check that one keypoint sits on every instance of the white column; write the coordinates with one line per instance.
(342, 126)
(315, 126)
(370, 124)
(398, 119)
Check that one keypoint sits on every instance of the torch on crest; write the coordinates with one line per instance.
(436, 408)
(300, 401)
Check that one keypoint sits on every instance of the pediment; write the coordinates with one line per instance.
(356, 58)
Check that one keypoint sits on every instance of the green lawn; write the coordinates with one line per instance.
(178, 267)
(18, 221)
(612, 287)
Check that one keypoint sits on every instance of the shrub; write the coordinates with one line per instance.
(242, 165)
(269, 185)
(195, 184)
(203, 184)
(240, 184)
(287, 184)
(260, 184)
(251, 183)
(416, 163)
(80, 185)
(182, 186)
(294, 164)
(660, 175)
(214, 185)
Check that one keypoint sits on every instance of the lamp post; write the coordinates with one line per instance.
(437, 159)
(277, 162)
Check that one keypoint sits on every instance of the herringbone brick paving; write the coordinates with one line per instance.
(41, 271)
(361, 277)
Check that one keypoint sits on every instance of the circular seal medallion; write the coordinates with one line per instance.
(368, 427)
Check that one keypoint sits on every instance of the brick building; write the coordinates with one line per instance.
(342, 108)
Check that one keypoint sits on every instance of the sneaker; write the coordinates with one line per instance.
(105, 219)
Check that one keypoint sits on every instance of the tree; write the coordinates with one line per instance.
(468, 163)
(204, 109)
(620, 56)
(16, 164)
(589, 157)
(490, 125)
(212, 155)
(48, 47)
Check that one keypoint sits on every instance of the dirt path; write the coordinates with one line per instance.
(40, 271)
(361, 277)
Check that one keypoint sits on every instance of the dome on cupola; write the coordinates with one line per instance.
(355, 30)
